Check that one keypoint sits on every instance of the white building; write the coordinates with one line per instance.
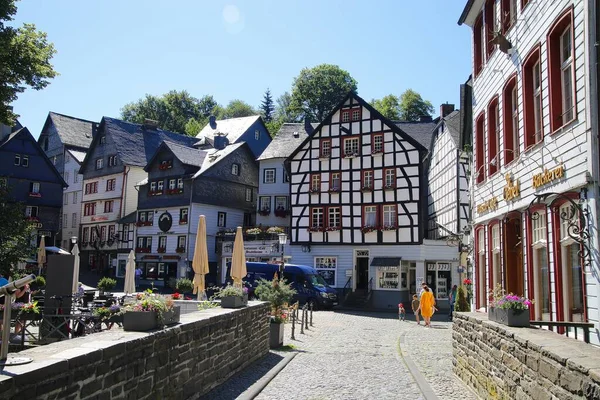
(72, 195)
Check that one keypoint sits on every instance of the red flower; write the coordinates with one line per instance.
(467, 281)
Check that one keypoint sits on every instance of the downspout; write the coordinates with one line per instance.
(126, 170)
(189, 242)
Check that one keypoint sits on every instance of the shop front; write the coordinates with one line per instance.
(256, 251)
(158, 270)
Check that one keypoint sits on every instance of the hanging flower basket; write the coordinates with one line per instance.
(281, 213)
(264, 212)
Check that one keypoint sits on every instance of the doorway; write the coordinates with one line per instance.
(362, 272)
(513, 256)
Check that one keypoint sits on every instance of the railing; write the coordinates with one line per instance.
(584, 326)
(347, 289)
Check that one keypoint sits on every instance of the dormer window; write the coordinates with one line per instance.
(153, 186)
(179, 183)
(112, 161)
(161, 185)
(99, 163)
(17, 159)
(235, 169)
(257, 135)
(103, 139)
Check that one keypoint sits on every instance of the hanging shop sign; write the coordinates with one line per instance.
(512, 190)
(488, 205)
(548, 176)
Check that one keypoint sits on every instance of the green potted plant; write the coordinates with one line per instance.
(38, 284)
(232, 296)
(184, 285)
(513, 310)
(278, 293)
(149, 311)
(106, 284)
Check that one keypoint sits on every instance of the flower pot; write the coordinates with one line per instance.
(234, 301)
(172, 316)
(512, 317)
(115, 318)
(29, 316)
(492, 314)
(140, 320)
(276, 335)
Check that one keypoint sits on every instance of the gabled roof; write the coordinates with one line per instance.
(233, 128)
(187, 155)
(453, 125)
(72, 131)
(135, 144)
(24, 134)
(422, 132)
(79, 156)
(214, 156)
(285, 142)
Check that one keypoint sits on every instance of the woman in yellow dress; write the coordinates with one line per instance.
(427, 305)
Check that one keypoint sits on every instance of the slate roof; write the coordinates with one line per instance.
(77, 155)
(422, 132)
(453, 125)
(214, 156)
(284, 143)
(187, 155)
(73, 131)
(136, 145)
(233, 128)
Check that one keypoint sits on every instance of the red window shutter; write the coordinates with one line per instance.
(493, 159)
(480, 149)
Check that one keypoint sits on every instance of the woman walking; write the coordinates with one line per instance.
(427, 305)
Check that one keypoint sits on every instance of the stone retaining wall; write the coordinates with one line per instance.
(180, 362)
(500, 362)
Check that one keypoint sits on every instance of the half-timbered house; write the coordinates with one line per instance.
(358, 206)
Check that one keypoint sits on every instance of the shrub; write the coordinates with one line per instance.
(230, 290)
(277, 292)
(106, 284)
(184, 285)
(38, 283)
(461, 303)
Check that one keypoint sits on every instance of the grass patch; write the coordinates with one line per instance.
(287, 347)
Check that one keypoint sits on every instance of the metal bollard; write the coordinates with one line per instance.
(293, 323)
(306, 320)
(302, 322)
(311, 311)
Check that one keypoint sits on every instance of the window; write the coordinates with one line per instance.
(181, 242)
(108, 206)
(153, 186)
(31, 211)
(65, 220)
(235, 169)
(99, 163)
(509, 14)
(248, 194)
(86, 235)
(325, 148)
(334, 217)
(377, 145)
(183, 216)
(102, 139)
(172, 184)
(112, 161)
(91, 188)
(356, 114)
(335, 182)
(65, 199)
(367, 179)
(25, 161)
(315, 183)
(150, 217)
(541, 272)
(326, 267)
(75, 176)
(221, 219)
(438, 278)
(144, 242)
(162, 242)
(94, 234)
(316, 218)
(350, 147)
(257, 135)
(495, 256)
(510, 111)
(103, 233)
(489, 14)
(532, 99)
(111, 232)
(34, 187)
(17, 159)
(125, 233)
(54, 160)
(89, 209)
(179, 183)
(111, 184)
(264, 204)
(75, 197)
(478, 45)
(370, 217)
(560, 72)
(390, 216)
(74, 220)
(345, 116)
(480, 148)
(390, 177)
(160, 185)
(269, 175)
(281, 203)
(142, 216)
(493, 137)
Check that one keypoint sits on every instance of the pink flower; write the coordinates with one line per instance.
(527, 303)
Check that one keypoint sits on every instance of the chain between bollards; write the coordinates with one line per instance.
(312, 305)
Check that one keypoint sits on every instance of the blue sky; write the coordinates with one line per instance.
(112, 52)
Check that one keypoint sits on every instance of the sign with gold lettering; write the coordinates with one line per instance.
(488, 205)
(548, 176)
(512, 190)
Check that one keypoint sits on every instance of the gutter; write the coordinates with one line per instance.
(465, 12)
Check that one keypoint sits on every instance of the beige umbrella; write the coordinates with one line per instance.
(238, 259)
(130, 274)
(75, 253)
(41, 254)
(200, 261)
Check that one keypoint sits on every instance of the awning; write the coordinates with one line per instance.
(386, 261)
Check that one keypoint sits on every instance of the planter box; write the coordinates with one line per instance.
(234, 301)
(140, 321)
(172, 316)
(115, 319)
(276, 335)
(514, 318)
(492, 314)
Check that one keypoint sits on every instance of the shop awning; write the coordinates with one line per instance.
(386, 261)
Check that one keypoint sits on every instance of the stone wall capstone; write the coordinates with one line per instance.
(180, 362)
(501, 362)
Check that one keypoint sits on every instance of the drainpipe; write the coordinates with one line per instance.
(126, 170)
(189, 243)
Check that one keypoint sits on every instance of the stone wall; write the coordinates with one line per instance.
(500, 362)
(180, 362)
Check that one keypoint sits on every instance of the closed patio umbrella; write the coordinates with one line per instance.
(75, 253)
(238, 259)
(130, 274)
(200, 261)
(41, 254)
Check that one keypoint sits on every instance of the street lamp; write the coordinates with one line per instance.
(282, 242)
(73, 241)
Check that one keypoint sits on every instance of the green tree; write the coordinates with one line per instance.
(193, 126)
(267, 107)
(388, 106)
(235, 109)
(318, 90)
(284, 111)
(412, 106)
(15, 233)
(25, 55)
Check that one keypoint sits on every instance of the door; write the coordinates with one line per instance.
(514, 257)
(362, 273)
(412, 280)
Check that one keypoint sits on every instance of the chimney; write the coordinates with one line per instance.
(425, 118)
(446, 109)
(220, 141)
(307, 126)
(150, 124)
(212, 120)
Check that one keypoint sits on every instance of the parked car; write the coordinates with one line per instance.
(309, 285)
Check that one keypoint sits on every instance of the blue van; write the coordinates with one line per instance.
(309, 285)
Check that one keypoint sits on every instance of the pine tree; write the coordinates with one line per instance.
(267, 107)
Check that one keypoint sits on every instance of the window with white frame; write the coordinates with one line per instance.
(316, 218)
(367, 179)
(248, 194)
(281, 203)
(35, 187)
(394, 277)
(334, 217)
(162, 242)
(221, 219)
(571, 269)
(537, 101)
(336, 182)
(31, 211)
(541, 272)
(183, 216)
(65, 220)
(75, 197)
(179, 183)
(25, 161)
(66, 199)
(390, 216)
(269, 175)
(160, 186)
(496, 266)
(257, 135)
(265, 204)
(153, 186)
(75, 176)
(315, 182)
(390, 177)
(327, 268)
(99, 163)
(566, 65)
(17, 159)
(325, 147)
(172, 184)
(235, 169)
(351, 146)
(370, 217)
(181, 242)
(377, 144)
